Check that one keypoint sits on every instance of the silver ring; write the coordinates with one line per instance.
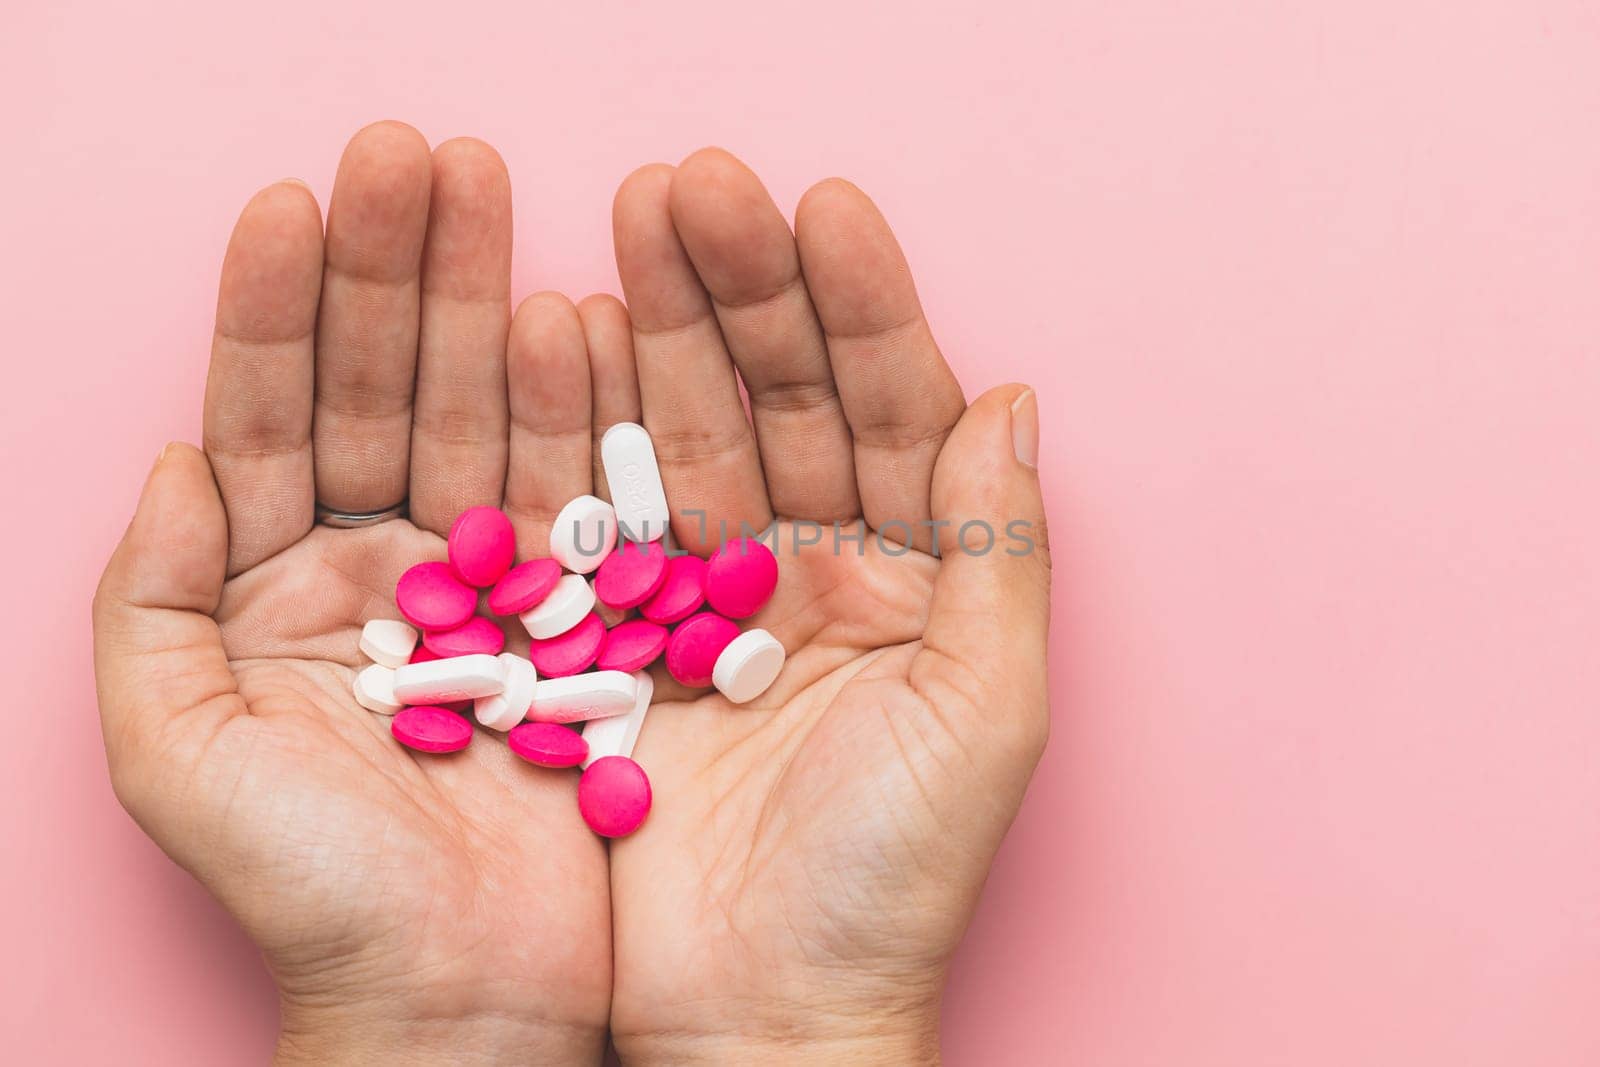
(354, 520)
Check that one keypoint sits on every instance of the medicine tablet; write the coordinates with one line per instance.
(617, 735)
(503, 710)
(682, 591)
(632, 645)
(481, 546)
(548, 745)
(571, 652)
(523, 586)
(614, 796)
(568, 603)
(433, 598)
(374, 688)
(694, 646)
(583, 696)
(630, 575)
(583, 534)
(423, 655)
(634, 479)
(748, 665)
(388, 641)
(431, 729)
(740, 577)
(476, 635)
(456, 678)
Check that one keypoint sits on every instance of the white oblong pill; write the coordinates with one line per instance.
(635, 482)
(616, 735)
(748, 664)
(374, 689)
(565, 607)
(505, 709)
(583, 535)
(443, 680)
(388, 641)
(595, 695)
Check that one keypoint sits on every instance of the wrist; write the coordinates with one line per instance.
(357, 1036)
(796, 1037)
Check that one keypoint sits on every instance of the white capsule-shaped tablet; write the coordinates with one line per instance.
(635, 482)
(568, 603)
(374, 689)
(439, 681)
(579, 697)
(748, 665)
(616, 735)
(583, 535)
(388, 641)
(505, 709)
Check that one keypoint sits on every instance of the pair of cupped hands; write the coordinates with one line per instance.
(812, 858)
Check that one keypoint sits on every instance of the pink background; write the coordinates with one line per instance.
(1309, 293)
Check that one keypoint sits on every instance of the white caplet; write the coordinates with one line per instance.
(388, 641)
(374, 689)
(583, 535)
(617, 734)
(505, 709)
(569, 601)
(594, 695)
(440, 681)
(635, 482)
(748, 665)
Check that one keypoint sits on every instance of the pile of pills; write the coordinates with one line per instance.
(607, 603)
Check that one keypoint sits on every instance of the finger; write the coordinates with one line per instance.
(898, 393)
(367, 326)
(259, 389)
(459, 433)
(692, 408)
(991, 601)
(157, 653)
(547, 369)
(613, 378)
(745, 256)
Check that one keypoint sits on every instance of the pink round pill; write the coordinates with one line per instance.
(632, 646)
(523, 586)
(431, 729)
(631, 574)
(682, 591)
(482, 546)
(570, 652)
(614, 796)
(548, 744)
(695, 644)
(431, 597)
(422, 654)
(476, 635)
(740, 577)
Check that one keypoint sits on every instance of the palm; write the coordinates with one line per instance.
(790, 821)
(454, 867)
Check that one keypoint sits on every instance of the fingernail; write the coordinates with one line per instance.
(163, 453)
(293, 181)
(1025, 428)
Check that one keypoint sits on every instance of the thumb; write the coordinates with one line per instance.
(157, 652)
(989, 620)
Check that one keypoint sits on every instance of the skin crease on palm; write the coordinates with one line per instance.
(812, 858)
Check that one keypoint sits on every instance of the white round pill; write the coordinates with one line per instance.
(506, 708)
(374, 689)
(388, 641)
(583, 535)
(748, 665)
(568, 603)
